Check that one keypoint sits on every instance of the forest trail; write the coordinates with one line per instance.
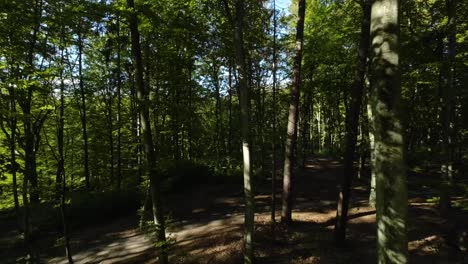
(208, 228)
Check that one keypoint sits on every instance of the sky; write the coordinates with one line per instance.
(283, 4)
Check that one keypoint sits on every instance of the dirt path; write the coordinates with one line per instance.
(207, 228)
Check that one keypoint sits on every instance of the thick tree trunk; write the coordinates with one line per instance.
(390, 171)
(244, 101)
(143, 109)
(291, 139)
(448, 116)
(352, 122)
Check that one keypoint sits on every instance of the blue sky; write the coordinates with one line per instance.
(283, 4)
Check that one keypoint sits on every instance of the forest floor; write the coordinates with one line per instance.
(206, 227)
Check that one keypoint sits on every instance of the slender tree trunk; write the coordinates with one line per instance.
(84, 120)
(13, 163)
(143, 109)
(352, 122)
(119, 110)
(61, 167)
(291, 139)
(262, 129)
(217, 112)
(448, 116)
(175, 122)
(11, 137)
(372, 196)
(273, 141)
(229, 143)
(110, 123)
(190, 106)
(28, 123)
(244, 100)
(391, 188)
(363, 132)
(305, 120)
(26, 211)
(319, 128)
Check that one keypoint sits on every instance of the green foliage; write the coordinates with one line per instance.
(434, 200)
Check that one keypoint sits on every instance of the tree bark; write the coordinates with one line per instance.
(244, 101)
(143, 109)
(352, 123)
(291, 139)
(110, 124)
(391, 188)
(119, 110)
(61, 167)
(371, 131)
(273, 141)
(217, 138)
(448, 116)
(14, 166)
(84, 120)
(230, 132)
(30, 127)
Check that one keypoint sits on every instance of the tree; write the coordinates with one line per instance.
(84, 120)
(61, 179)
(293, 115)
(448, 115)
(143, 109)
(352, 122)
(274, 123)
(244, 101)
(391, 189)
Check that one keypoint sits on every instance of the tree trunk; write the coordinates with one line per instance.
(190, 106)
(83, 109)
(448, 116)
(28, 123)
(291, 139)
(13, 163)
(110, 124)
(143, 109)
(61, 167)
(352, 123)
(244, 101)
(273, 141)
(217, 137)
(305, 119)
(119, 110)
(372, 195)
(230, 132)
(390, 171)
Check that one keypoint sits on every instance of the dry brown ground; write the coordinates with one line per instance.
(207, 228)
